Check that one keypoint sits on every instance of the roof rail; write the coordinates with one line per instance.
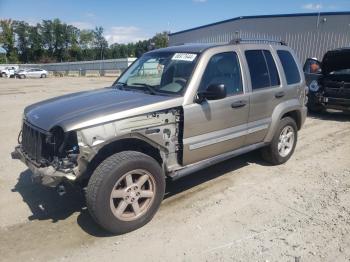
(237, 41)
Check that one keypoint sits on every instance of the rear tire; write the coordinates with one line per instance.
(3, 74)
(125, 191)
(22, 76)
(283, 143)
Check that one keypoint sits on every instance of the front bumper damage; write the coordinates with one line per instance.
(48, 175)
(338, 103)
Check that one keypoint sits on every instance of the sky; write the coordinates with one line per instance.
(132, 20)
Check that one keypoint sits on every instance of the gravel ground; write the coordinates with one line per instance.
(239, 210)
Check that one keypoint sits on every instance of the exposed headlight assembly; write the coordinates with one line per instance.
(314, 86)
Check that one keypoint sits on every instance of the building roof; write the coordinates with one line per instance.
(262, 16)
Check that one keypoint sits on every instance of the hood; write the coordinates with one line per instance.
(79, 110)
(336, 60)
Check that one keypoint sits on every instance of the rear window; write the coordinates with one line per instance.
(262, 68)
(289, 66)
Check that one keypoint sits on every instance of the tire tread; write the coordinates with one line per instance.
(107, 166)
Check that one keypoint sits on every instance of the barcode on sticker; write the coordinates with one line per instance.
(184, 57)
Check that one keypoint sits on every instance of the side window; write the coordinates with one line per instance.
(289, 66)
(224, 69)
(262, 68)
(271, 66)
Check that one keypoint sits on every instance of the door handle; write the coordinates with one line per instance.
(280, 94)
(238, 104)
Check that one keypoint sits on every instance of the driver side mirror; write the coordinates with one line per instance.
(213, 92)
(312, 66)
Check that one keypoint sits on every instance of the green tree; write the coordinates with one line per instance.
(7, 40)
(100, 42)
(58, 30)
(55, 41)
(160, 40)
(86, 45)
(47, 37)
(71, 37)
(35, 40)
(22, 31)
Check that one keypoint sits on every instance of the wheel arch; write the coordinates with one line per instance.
(290, 108)
(296, 116)
(126, 143)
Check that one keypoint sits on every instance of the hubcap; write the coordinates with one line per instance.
(132, 195)
(286, 141)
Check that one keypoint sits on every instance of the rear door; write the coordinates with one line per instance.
(266, 92)
(214, 127)
(31, 73)
(37, 73)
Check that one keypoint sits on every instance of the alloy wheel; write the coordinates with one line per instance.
(132, 195)
(286, 141)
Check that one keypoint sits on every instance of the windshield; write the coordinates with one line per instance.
(163, 73)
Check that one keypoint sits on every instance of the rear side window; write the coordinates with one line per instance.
(271, 66)
(262, 68)
(289, 66)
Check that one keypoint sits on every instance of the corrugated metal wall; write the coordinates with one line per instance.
(109, 64)
(309, 35)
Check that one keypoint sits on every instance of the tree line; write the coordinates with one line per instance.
(55, 41)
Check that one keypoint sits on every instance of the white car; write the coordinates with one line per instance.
(32, 73)
(8, 71)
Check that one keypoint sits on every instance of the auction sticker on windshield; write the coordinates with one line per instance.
(184, 57)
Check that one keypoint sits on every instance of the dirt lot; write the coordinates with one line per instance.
(240, 210)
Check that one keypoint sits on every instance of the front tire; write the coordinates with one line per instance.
(125, 191)
(3, 74)
(283, 143)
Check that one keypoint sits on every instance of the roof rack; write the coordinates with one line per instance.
(237, 41)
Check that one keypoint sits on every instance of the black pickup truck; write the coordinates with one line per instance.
(329, 81)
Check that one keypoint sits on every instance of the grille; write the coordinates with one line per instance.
(337, 89)
(33, 142)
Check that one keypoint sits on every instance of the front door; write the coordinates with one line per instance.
(214, 127)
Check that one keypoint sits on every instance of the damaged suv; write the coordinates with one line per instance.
(329, 81)
(174, 111)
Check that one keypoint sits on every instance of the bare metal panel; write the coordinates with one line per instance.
(310, 35)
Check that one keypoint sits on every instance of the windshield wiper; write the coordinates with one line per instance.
(149, 87)
(120, 85)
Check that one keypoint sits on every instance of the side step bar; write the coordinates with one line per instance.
(187, 170)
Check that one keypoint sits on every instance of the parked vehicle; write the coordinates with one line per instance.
(198, 105)
(329, 81)
(8, 71)
(32, 73)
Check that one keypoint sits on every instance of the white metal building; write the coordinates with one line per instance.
(309, 34)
